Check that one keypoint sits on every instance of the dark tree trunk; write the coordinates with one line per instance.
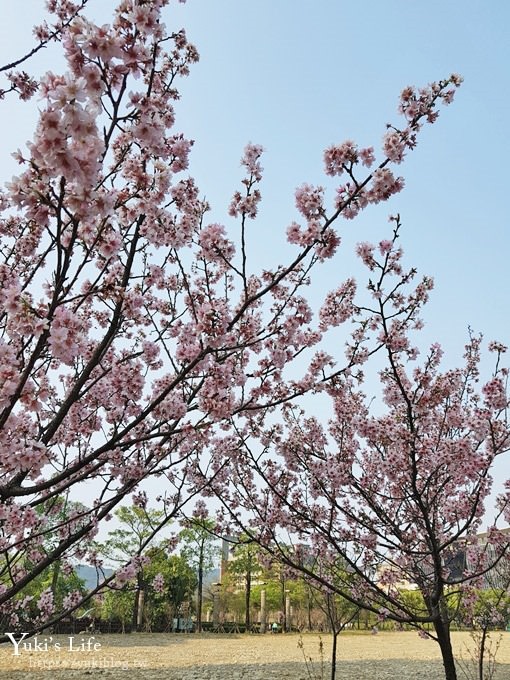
(333, 653)
(442, 629)
(481, 657)
(309, 608)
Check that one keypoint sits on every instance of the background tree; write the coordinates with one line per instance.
(58, 511)
(137, 528)
(398, 494)
(116, 606)
(339, 611)
(58, 584)
(171, 582)
(200, 549)
(131, 330)
(245, 568)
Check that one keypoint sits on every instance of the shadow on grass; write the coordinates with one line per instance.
(114, 669)
(157, 639)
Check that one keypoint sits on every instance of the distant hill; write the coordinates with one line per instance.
(88, 575)
(212, 577)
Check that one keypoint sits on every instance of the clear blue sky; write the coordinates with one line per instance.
(298, 75)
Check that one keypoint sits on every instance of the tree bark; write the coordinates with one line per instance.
(199, 591)
(442, 629)
(136, 606)
(309, 608)
(481, 656)
(333, 653)
(247, 601)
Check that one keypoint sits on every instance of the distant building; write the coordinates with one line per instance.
(227, 554)
(463, 557)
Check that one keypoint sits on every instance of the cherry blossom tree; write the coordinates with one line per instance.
(63, 12)
(133, 333)
(393, 490)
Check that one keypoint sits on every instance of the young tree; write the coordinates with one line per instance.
(170, 583)
(130, 328)
(339, 612)
(245, 566)
(138, 526)
(200, 549)
(396, 491)
(116, 606)
(484, 610)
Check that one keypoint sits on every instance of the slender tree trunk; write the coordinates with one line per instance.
(139, 603)
(442, 629)
(134, 617)
(247, 599)
(481, 655)
(284, 609)
(309, 608)
(141, 606)
(136, 604)
(199, 592)
(333, 653)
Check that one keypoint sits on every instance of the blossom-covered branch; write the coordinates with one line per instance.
(132, 331)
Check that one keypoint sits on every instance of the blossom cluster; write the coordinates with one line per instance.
(133, 333)
(393, 494)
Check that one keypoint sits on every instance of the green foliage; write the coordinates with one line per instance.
(492, 608)
(180, 582)
(160, 608)
(117, 606)
(199, 544)
(137, 528)
(413, 601)
(273, 590)
(53, 578)
(246, 561)
(59, 577)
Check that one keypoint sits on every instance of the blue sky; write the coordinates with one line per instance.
(299, 75)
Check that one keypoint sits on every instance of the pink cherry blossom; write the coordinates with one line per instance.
(138, 338)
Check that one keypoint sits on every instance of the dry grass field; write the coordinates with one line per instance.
(385, 656)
